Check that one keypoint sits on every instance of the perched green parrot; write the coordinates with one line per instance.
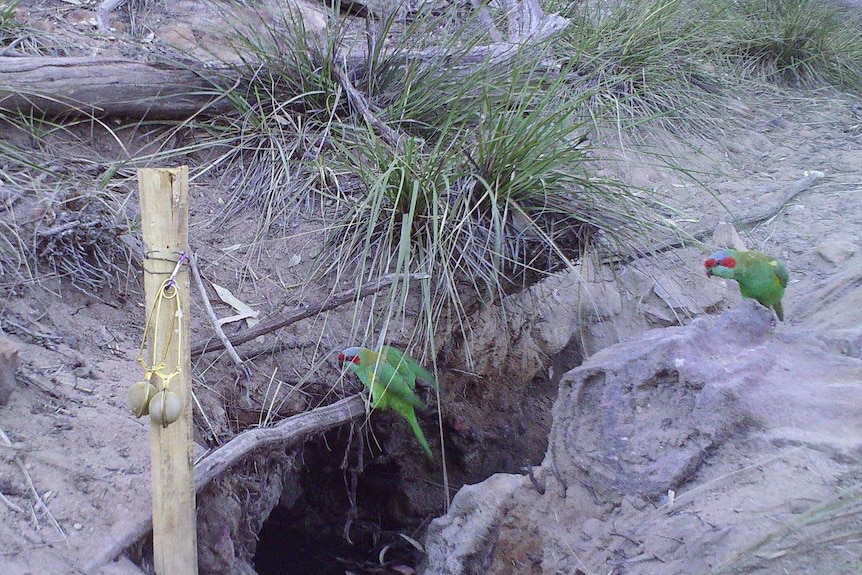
(391, 376)
(760, 277)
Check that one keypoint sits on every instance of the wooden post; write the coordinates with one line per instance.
(164, 221)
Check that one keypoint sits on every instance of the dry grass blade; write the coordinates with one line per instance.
(40, 503)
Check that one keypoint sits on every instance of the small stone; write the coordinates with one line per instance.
(593, 528)
(9, 362)
(725, 235)
(77, 526)
(778, 122)
(836, 251)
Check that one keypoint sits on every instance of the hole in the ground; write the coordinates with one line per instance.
(306, 535)
(285, 547)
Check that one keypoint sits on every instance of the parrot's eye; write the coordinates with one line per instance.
(728, 262)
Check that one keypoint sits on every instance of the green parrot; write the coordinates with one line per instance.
(760, 277)
(391, 376)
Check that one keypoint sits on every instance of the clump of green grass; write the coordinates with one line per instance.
(492, 202)
(286, 108)
(644, 63)
(17, 38)
(796, 42)
(475, 172)
(8, 23)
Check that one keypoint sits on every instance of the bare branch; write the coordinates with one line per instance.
(284, 320)
(193, 264)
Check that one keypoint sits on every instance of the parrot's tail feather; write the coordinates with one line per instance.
(417, 431)
(779, 311)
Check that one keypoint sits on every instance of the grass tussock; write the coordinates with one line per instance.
(645, 64)
(61, 213)
(417, 155)
(796, 42)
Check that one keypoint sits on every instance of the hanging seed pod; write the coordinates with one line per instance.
(165, 407)
(138, 397)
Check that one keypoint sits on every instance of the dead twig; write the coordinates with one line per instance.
(746, 220)
(196, 274)
(392, 137)
(40, 503)
(284, 320)
(285, 433)
(102, 11)
(10, 505)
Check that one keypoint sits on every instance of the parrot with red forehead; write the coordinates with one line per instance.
(760, 277)
(391, 377)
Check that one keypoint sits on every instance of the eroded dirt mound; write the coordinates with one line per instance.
(713, 446)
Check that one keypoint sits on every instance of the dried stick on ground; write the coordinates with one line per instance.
(127, 88)
(746, 220)
(102, 11)
(285, 433)
(360, 103)
(196, 273)
(40, 503)
(284, 320)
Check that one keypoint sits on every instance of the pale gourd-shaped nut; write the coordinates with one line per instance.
(139, 396)
(165, 408)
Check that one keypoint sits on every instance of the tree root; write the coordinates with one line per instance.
(746, 220)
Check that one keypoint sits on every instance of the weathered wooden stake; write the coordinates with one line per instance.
(164, 222)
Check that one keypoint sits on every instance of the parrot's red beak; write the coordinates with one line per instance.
(710, 263)
(351, 358)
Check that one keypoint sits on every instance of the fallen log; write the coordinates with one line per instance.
(58, 86)
(100, 87)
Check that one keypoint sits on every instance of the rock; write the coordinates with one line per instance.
(833, 307)
(458, 542)
(750, 428)
(726, 236)
(648, 412)
(516, 338)
(836, 251)
(8, 366)
(673, 290)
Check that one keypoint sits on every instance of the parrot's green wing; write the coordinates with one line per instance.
(366, 376)
(781, 272)
(407, 366)
(386, 384)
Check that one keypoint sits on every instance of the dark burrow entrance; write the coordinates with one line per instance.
(285, 548)
(395, 496)
(309, 535)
